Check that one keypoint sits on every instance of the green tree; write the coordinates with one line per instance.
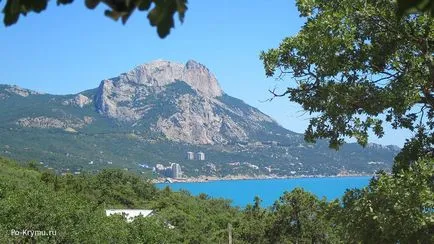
(354, 61)
(160, 14)
(253, 223)
(355, 64)
(299, 217)
(151, 230)
(392, 209)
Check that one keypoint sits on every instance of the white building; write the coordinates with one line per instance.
(129, 214)
(190, 155)
(200, 156)
(176, 171)
(159, 167)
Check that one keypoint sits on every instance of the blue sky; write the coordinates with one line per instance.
(67, 49)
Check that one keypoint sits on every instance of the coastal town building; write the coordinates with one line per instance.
(190, 155)
(172, 171)
(176, 171)
(159, 167)
(200, 156)
(168, 172)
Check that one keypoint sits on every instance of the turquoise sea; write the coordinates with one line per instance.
(242, 192)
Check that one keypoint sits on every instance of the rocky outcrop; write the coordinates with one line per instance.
(197, 122)
(201, 79)
(21, 91)
(79, 101)
(161, 73)
(48, 122)
(120, 97)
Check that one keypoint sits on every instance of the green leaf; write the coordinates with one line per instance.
(35, 5)
(11, 12)
(14, 8)
(64, 2)
(91, 4)
(162, 17)
(144, 5)
(112, 14)
(181, 8)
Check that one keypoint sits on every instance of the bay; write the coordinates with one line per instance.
(242, 192)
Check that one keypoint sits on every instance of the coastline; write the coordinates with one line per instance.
(204, 178)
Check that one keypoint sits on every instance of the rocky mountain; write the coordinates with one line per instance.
(201, 112)
(156, 113)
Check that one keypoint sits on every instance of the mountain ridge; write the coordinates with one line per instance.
(93, 90)
(157, 112)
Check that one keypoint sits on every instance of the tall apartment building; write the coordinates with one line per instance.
(176, 171)
(200, 156)
(190, 155)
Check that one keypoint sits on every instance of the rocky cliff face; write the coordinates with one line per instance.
(15, 90)
(80, 101)
(197, 121)
(199, 115)
(47, 122)
(122, 97)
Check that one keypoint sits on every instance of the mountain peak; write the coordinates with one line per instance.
(192, 64)
(160, 64)
(160, 73)
(117, 96)
(200, 78)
